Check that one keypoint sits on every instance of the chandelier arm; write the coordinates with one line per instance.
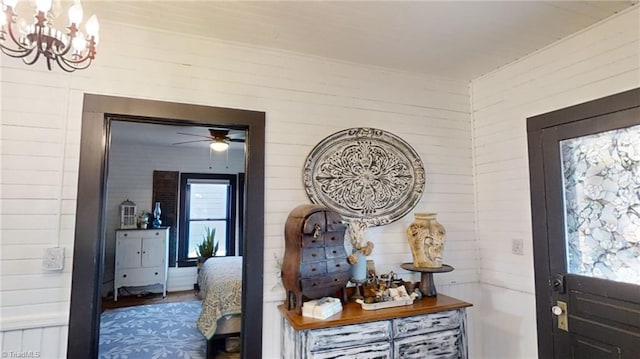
(63, 65)
(66, 64)
(16, 53)
(35, 57)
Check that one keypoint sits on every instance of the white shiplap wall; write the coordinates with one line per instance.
(305, 99)
(131, 169)
(594, 63)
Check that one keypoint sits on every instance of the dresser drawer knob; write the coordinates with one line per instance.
(156, 273)
(124, 276)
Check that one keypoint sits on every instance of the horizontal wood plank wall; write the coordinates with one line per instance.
(305, 98)
(600, 61)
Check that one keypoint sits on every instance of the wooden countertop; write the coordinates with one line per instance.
(352, 313)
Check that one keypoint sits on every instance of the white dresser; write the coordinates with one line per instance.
(430, 328)
(142, 257)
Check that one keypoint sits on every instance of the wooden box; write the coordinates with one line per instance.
(315, 261)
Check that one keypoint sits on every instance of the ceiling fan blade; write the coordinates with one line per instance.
(235, 139)
(191, 134)
(181, 143)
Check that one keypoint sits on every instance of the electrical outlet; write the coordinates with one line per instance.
(53, 259)
(517, 246)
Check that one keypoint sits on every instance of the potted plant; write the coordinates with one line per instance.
(208, 247)
(143, 219)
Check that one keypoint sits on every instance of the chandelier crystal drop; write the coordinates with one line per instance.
(72, 51)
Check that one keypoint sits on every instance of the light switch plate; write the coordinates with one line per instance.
(517, 246)
(53, 259)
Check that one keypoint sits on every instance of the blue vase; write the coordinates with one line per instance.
(156, 216)
(359, 269)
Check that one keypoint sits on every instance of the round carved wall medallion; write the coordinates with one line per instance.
(365, 174)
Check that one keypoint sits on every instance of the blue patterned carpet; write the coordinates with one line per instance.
(152, 331)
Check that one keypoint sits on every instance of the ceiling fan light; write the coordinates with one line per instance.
(219, 146)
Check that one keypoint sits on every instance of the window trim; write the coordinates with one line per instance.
(230, 241)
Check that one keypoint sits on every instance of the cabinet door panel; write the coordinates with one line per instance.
(438, 345)
(128, 252)
(369, 351)
(153, 252)
(348, 335)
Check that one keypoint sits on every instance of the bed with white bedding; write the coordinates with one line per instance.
(220, 281)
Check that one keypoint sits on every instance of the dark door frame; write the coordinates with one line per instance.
(539, 203)
(90, 212)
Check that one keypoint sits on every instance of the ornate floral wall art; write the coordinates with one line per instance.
(365, 174)
(601, 176)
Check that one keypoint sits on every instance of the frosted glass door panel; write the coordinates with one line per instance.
(601, 178)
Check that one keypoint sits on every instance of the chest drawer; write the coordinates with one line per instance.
(348, 336)
(437, 345)
(313, 254)
(313, 269)
(433, 322)
(312, 241)
(326, 281)
(368, 351)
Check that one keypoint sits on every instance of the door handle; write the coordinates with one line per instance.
(560, 311)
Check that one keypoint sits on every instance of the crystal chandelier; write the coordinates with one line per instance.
(71, 51)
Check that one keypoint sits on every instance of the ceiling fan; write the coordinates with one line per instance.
(219, 138)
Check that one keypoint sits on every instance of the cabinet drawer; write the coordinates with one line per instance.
(334, 238)
(313, 269)
(337, 265)
(330, 280)
(347, 336)
(313, 254)
(140, 276)
(335, 252)
(311, 241)
(437, 345)
(369, 351)
(403, 327)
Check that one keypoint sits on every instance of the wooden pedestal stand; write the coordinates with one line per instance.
(427, 286)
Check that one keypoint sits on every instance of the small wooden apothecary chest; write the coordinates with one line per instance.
(315, 261)
(433, 327)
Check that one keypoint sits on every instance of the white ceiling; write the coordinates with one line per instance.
(456, 39)
(124, 132)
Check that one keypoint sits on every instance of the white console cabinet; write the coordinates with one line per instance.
(433, 328)
(142, 257)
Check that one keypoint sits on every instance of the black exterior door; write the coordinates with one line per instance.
(585, 198)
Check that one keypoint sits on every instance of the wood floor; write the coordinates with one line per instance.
(151, 298)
